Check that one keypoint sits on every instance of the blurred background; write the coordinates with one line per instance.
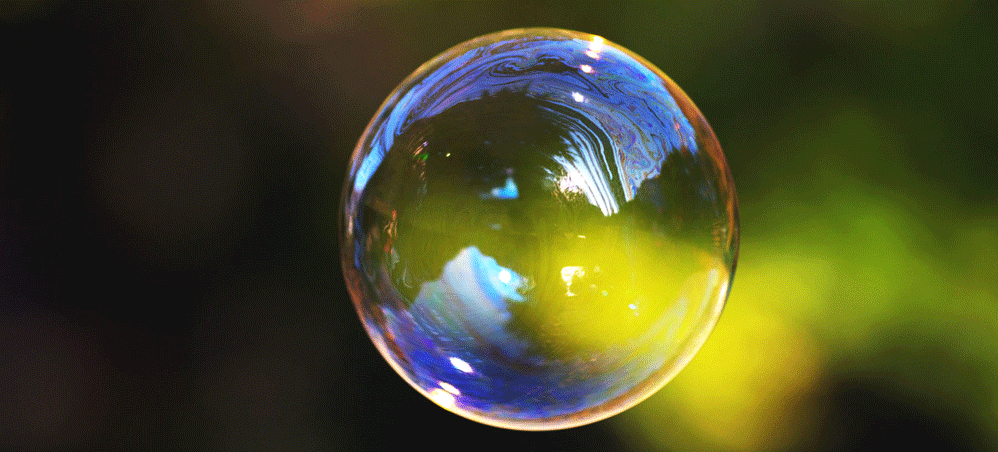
(170, 177)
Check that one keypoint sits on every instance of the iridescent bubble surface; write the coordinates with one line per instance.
(539, 229)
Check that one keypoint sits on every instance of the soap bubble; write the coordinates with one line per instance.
(539, 229)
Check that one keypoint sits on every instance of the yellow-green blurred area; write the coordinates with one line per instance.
(169, 183)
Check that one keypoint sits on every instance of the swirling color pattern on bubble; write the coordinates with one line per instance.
(539, 229)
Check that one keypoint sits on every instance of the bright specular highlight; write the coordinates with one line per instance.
(539, 229)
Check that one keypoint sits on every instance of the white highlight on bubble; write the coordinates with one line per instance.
(578, 97)
(442, 398)
(504, 276)
(597, 44)
(449, 387)
(568, 274)
(461, 365)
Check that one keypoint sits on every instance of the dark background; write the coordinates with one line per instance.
(169, 185)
